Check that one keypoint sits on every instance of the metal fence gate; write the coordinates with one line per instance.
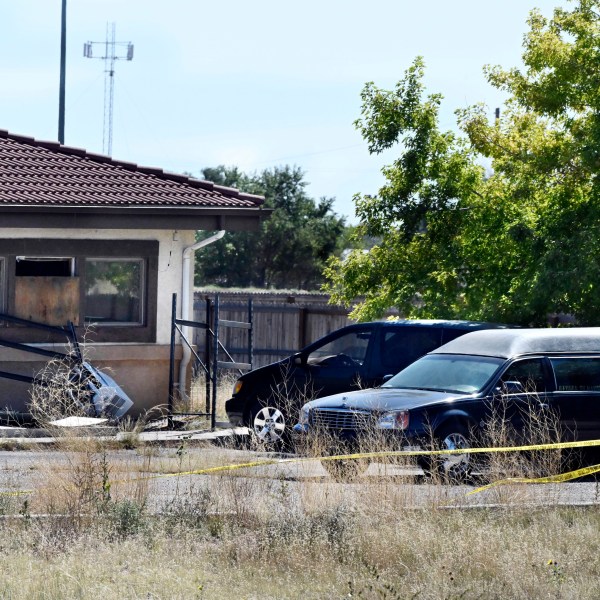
(217, 358)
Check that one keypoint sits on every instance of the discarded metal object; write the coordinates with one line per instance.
(91, 390)
(108, 399)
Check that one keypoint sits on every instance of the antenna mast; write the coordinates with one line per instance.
(109, 58)
(63, 68)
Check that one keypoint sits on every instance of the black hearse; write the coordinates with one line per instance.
(452, 393)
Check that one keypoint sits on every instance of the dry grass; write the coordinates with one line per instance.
(195, 402)
(62, 392)
(259, 534)
(112, 529)
(191, 552)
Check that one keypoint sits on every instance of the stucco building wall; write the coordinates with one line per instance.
(142, 369)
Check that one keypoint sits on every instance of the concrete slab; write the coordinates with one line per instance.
(78, 422)
(33, 435)
(180, 435)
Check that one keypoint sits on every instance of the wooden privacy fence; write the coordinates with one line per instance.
(282, 323)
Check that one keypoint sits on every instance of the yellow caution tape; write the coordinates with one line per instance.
(391, 453)
(16, 493)
(561, 478)
(396, 453)
(256, 463)
(531, 447)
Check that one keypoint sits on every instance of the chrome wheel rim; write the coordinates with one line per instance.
(456, 464)
(269, 424)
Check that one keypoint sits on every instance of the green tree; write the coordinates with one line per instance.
(292, 246)
(517, 244)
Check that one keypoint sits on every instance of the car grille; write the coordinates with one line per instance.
(326, 418)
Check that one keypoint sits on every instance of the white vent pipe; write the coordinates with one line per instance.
(187, 305)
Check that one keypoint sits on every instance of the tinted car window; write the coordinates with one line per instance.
(400, 347)
(576, 374)
(352, 345)
(529, 373)
(451, 333)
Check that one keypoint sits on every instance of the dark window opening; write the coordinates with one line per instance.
(88, 282)
(577, 374)
(347, 350)
(44, 267)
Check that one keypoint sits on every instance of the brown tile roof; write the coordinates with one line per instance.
(40, 173)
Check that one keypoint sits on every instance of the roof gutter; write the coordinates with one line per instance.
(186, 304)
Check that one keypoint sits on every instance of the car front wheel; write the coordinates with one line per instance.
(269, 426)
(450, 467)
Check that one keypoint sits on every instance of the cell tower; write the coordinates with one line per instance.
(109, 58)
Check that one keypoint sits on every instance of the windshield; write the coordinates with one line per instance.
(447, 373)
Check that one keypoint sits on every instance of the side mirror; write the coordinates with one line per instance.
(299, 359)
(510, 387)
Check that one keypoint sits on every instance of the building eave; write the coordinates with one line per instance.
(132, 217)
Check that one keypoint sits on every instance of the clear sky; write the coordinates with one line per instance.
(252, 84)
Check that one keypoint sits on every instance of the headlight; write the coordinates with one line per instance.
(237, 387)
(396, 419)
(304, 413)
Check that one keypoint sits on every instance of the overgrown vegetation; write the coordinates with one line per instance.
(90, 519)
(98, 521)
(107, 530)
(61, 391)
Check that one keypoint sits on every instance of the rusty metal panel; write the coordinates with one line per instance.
(50, 300)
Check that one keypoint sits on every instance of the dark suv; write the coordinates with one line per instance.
(354, 357)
